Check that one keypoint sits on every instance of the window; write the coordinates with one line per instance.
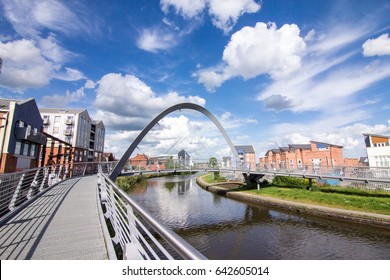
(18, 146)
(57, 119)
(25, 149)
(56, 130)
(32, 150)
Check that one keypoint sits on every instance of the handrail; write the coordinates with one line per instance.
(137, 247)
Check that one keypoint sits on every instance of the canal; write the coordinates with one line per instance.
(221, 228)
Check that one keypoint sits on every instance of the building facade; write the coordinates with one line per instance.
(183, 158)
(378, 150)
(247, 155)
(316, 154)
(21, 136)
(76, 127)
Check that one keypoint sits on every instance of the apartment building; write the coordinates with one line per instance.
(378, 150)
(183, 158)
(20, 135)
(76, 127)
(315, 154)
(247, 155)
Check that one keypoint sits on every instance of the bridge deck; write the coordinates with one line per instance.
(61, 224)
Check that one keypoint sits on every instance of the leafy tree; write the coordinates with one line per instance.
(213, 162)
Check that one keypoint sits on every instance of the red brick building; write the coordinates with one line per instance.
(315, 154)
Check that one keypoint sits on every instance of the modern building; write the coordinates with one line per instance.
(378, 150)
(247, 155)
(183, 158)
(76, 127)
(315, 154)
(21, 137)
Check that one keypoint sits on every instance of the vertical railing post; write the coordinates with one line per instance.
(16, 193)
(33, 185)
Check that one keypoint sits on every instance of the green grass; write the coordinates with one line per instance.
(343, 198)
(210, 178)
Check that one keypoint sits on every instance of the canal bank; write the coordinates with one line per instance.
(227, 189)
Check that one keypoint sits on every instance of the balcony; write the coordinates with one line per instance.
(32, 135)
(69, 121)
(68, 132)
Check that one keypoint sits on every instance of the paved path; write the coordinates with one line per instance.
(61, 224)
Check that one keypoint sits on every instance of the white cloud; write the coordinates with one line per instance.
(52, 51)
(224, 14)
(24, 66)
(186, 8)
(127, 102)
(156, 39)
(253, 51)
(63, 100)
(29, 17)
(377, 47)
(70, 74)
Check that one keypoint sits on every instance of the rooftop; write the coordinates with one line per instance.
(245, 148)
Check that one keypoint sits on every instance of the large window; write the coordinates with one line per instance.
(18, 147)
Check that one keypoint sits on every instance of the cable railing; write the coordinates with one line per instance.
(20, 187)
(136, 233)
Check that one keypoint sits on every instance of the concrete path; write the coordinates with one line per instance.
(62, 224)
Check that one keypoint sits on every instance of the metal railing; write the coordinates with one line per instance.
(138, 234)
(363, 176)
(20, 187)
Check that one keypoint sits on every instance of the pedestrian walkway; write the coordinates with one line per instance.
(62, 224)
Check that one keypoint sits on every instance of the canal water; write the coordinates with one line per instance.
(221, 228)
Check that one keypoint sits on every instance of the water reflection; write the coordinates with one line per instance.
(226, 229)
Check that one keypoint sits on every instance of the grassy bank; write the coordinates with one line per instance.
(293, 189)
(212, 178)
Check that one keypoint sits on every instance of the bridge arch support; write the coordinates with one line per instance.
(117, 170)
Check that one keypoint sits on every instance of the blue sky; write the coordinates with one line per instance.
(273, 72)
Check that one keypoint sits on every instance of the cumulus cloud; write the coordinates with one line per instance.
(253, 51)
(156, 39)
(377, 47)
(224, 14)
(126, 102)
(61, 100)
(24, 66)
(44, 57)
(186, 8)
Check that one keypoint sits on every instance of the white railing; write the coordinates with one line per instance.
(18, 188)
(133, 227)
(371, 177)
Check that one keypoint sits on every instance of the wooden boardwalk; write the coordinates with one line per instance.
(62, 224)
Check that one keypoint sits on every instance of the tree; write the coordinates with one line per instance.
(213, 162)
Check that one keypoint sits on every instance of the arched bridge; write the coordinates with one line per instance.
(62, 211)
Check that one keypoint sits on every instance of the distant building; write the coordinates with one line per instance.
(247, 155)
(378, 150)
(183, 158)
(315, 154)
(226, 162)
(76, 127)
(140, 161)
(21, 136)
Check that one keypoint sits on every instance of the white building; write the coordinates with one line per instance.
(77, 128)
(378, 150)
